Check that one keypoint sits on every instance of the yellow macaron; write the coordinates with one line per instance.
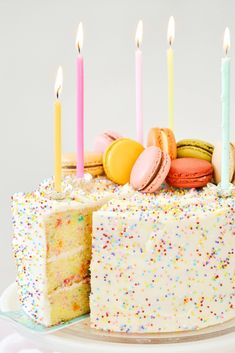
(119, 158)
(93, 163)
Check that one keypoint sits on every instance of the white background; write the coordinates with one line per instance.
(38, 35)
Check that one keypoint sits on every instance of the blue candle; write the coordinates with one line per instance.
(225, 72)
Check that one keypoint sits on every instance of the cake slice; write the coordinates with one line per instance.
(52, 248)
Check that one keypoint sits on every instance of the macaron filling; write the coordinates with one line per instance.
(206, 148)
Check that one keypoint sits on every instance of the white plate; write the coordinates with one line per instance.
(81, 338)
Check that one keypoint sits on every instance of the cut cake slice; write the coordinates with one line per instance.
(52, 248)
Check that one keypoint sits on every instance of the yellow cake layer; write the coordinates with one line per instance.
(69, 302)
(76, 223)
(64, 270)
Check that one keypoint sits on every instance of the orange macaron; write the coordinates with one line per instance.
(189, 173)
(163, 138)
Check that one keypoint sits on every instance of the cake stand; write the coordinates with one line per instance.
(81, 338)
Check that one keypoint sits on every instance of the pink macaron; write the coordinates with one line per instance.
(103, 140)
(150, 170)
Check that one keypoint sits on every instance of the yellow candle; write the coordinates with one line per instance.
(58, 144)
(170, 65)
(170, 69)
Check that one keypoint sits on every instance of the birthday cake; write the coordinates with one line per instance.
(148, 247)
(161, 257)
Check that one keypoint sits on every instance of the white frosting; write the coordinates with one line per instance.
(164, 262)
(65, 254)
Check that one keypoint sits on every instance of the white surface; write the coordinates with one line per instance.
(10, 341)
(65, 343)
(37, 36)
(9, 300)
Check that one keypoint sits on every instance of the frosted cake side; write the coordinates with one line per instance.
(164, 262)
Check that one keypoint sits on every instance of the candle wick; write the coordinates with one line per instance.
(57, 93)
(79, 50)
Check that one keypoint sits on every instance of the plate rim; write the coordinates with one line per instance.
(91, 344)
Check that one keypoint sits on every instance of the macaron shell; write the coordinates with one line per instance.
(119, 158)
(93, 163)
(189, 172)
(194, 148)
(190, 182)
(145, 167)
(94, 171)
(101, 143)
(113, 135)
(172, 148)
(161, 174)
(103, 140)
(164, 139)
(216, 162)
(154, 137)
(68, 159)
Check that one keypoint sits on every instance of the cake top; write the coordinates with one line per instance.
(74, 195)
(170, 204)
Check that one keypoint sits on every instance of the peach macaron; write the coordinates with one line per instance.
(216, 161)
(163, 138)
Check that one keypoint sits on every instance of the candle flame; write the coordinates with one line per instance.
(171, 30)
(58, 82)
(79, 37)
(139, 34)
(226, 40)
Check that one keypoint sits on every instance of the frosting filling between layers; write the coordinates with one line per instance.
(65, 254)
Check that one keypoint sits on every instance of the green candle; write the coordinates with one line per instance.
(225, 72)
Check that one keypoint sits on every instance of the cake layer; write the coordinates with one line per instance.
(58, 225)
(69, 302)
(68, 267)
(163, 263)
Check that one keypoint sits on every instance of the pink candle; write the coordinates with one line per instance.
(139, 84)
(80, 105)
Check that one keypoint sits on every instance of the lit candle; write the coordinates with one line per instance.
(80, 104)
(225, 96)
(170, 69)
(58, 148)
(139, 83)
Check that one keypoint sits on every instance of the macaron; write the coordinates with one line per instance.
(164, 139)
(189, 173)
(216, 162)
(103, 140)
(119, 158)
(194, 148)
(150, 170)
(93, 163)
